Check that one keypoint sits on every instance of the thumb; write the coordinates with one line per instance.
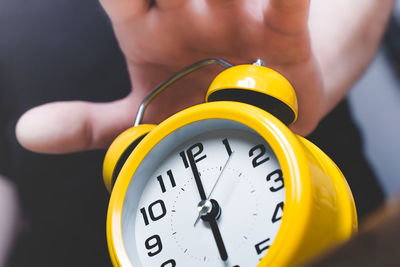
(63, 127)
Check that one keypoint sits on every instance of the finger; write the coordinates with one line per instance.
(288, 16)
(290, 6)
(171, 4)
(242, 5)
(222, 3)
(64, 127)
(119, 10)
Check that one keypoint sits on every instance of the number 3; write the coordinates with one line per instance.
(278, 179)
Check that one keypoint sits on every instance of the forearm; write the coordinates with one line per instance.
(345, 36)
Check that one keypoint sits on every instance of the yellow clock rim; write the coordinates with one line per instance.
(283, 142)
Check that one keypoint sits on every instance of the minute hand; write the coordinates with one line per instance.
(211, 219)
(196, 175)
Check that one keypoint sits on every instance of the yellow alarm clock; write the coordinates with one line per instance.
(224, 183)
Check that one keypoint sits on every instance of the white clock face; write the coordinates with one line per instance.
(238, 174)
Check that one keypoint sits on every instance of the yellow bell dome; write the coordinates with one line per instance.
(258, 86)
(119, 151)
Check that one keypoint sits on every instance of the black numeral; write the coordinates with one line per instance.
(154, 217)
(277, 215)
(153, 241)
(199, 147)
(263, 245)
(277, 177)
(227, 146)
(169, 263)
(161, 181)
(184, 159)
(261, 157)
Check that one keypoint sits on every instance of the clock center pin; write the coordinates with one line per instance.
(209, 208)
(204, 207)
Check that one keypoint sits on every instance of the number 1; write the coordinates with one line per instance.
(227, 146)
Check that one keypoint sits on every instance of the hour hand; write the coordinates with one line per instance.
(211, 218)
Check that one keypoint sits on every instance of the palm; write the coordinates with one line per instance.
(159, 40)
(161, 36)
(163, 39)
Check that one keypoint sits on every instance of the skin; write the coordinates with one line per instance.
(321, 56)
(9, 220)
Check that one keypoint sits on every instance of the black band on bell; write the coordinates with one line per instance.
(123, 158)
(266, 102)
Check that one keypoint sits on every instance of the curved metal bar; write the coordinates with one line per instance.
(146, 101)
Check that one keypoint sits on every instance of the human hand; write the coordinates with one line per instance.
(158, 40)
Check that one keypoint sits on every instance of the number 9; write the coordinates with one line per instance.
(150, 244)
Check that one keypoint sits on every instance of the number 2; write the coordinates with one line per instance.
(258, 159)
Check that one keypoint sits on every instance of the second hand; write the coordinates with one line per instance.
(203, 207)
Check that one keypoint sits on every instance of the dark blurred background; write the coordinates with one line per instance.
(50, 51)
(66, 50)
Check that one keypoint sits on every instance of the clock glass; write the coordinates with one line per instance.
(208, 194)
